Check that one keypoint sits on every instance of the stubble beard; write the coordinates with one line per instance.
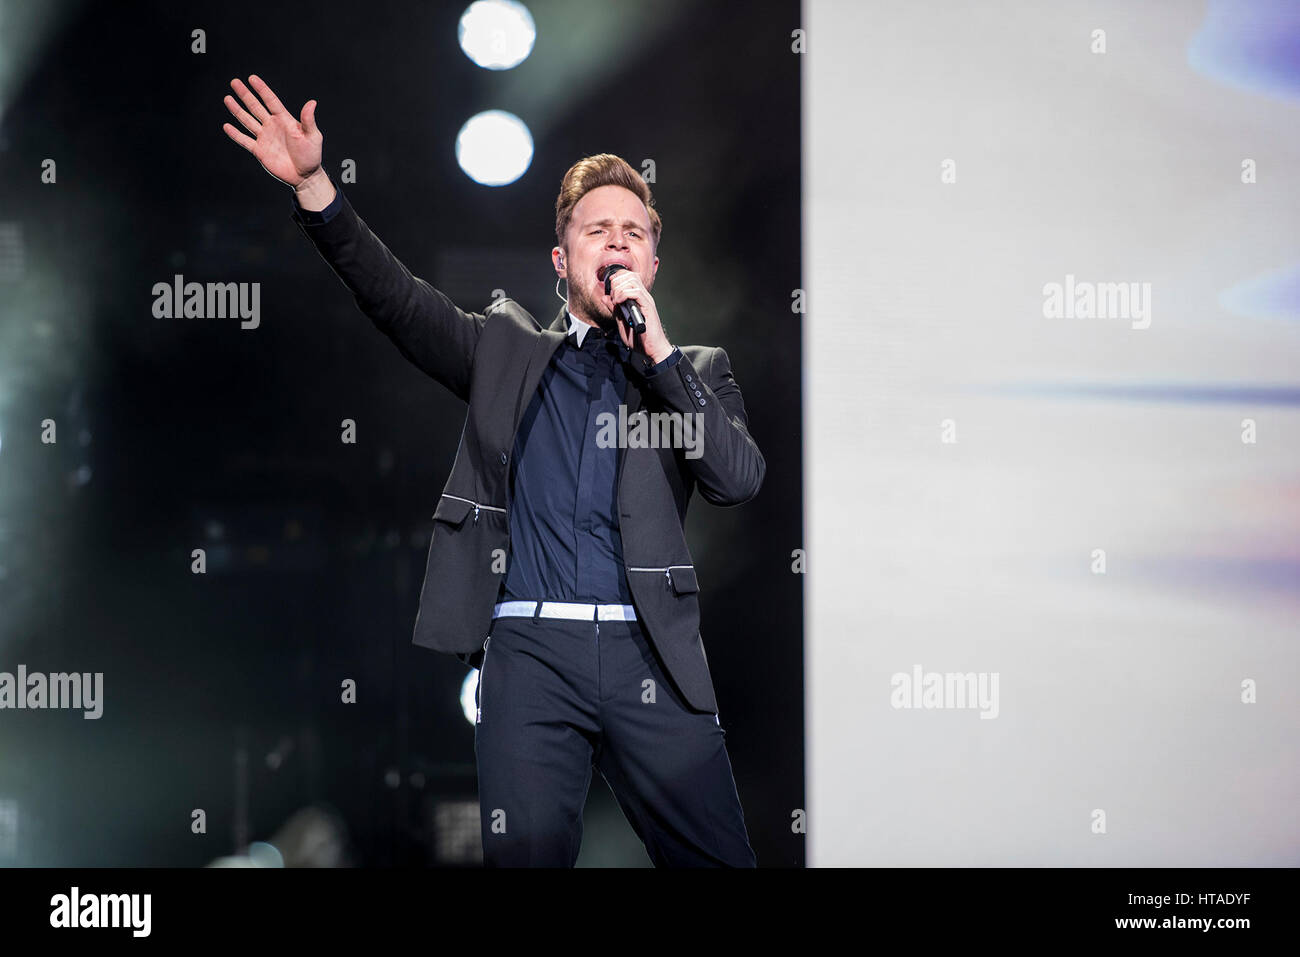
(582, 305)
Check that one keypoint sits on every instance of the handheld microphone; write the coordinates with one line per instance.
(628, 309)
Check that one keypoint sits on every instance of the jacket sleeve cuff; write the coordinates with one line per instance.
(650, 370)
(311, 217)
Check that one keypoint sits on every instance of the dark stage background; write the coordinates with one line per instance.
(222, 691)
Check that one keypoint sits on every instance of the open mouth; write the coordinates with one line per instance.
(603, 271)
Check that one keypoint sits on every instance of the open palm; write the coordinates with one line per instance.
(288, 149)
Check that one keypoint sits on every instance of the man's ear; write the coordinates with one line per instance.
(559, 261)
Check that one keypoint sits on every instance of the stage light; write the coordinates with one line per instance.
(459, 833)
(497, 34)
(263, 854)
(468, 688)
(494, 148)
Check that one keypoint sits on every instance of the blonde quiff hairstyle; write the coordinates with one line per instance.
(590, 172)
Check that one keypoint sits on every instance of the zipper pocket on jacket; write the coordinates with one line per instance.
(477, 506)
(666, 569)
(478, 716)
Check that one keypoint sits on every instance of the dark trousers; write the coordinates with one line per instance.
(558, 697)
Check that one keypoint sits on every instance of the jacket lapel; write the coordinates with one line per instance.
(632, 399)
(548, 340)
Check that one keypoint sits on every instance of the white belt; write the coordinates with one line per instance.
(576, 611)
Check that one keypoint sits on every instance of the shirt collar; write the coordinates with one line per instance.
(579, 329)
(578, 332)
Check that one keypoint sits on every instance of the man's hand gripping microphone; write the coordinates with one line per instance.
(628, 309)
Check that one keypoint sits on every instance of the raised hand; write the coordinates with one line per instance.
(289, 149)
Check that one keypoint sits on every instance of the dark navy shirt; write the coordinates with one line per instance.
(564, 531)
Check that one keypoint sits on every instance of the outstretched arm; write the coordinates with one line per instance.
(428, 328)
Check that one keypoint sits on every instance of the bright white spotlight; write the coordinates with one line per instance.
(494, 148)
(497, 34)
(468, 689)
(263, 854)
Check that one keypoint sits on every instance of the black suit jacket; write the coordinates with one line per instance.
(494, 360)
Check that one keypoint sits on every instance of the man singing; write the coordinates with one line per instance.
(558, 565)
